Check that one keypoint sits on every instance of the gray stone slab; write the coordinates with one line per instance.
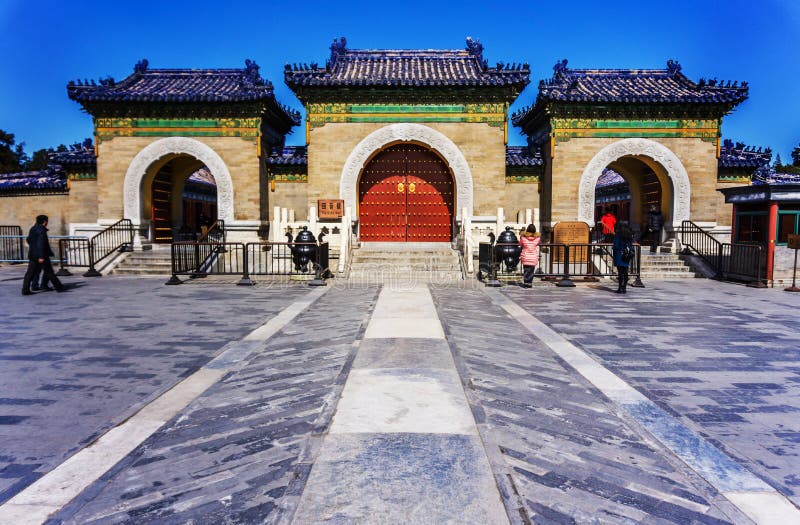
(723, 358)
(404, 353)
(401, 478)
(403, 400)
(570, 455)
(232, 454)
(74, 365)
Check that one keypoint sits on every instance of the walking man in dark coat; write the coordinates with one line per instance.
(655, 221)
(39, 254)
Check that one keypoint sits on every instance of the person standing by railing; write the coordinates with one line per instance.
(655, 221)
(529, 239)
(608, 221)
(39, 254)
(623, 247)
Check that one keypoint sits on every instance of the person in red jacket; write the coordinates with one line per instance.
(529, 240)
(609, 222)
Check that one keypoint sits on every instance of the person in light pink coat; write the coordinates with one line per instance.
(529, 240)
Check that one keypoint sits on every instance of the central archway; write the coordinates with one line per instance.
(173, 147)
(406, 132)
(652, 153)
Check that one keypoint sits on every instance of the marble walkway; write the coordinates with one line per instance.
(403, 446)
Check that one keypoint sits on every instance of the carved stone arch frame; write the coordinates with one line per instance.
(406, 132)
(137, 170)
(636, 147)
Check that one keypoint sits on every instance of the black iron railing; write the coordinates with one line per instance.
(729, 261)
(81, 252)
(696, 240)
(743, 262)
(200, 259)
(559, 262)
(12, 244)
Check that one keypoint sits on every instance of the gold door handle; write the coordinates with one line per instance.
(400, 187)
(411, 187)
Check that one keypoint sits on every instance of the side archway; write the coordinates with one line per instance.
(394, 133)
(176, 146)
(636, 147)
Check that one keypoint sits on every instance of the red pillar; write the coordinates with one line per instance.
(772, 233)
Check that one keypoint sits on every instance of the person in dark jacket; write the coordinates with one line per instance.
(655, 221)
(40, 284)
(39, 254)
(622, 238)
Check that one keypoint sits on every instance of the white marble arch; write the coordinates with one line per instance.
(636, 147)
(406, 132)
(176, 146)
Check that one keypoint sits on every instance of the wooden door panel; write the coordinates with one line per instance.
(382, 208)
(430, 204)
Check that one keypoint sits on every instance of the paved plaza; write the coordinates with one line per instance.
(127, 401)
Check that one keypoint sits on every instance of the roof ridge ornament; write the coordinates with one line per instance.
(560, 69)
(339, 47)
(251, 72)
(673, 67)
(141, 66)
(475, 48)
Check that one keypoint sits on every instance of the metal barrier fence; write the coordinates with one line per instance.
(558, 262)
(82, 252)
(743, 262)
(731, 261)
(12, 244)
(200, 259)
(14, 248)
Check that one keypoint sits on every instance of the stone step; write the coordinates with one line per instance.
(668, 276)
(396, 269)
(410, 253)
(449, 260)
(145, 260)
(141, 271)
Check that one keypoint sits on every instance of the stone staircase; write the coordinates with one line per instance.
(665, 266)
(154, 261)
(407, 261)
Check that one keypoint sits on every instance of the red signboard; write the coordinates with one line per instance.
(330, 208)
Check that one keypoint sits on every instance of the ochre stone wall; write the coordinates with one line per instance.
(519, 197)
(482, 145)
(22, 211)
(725, 211)
(239, 155)
(697, 156)
(293, 195)
(82, 201)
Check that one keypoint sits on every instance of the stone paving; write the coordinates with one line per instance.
(231, 456)
(724, 359)
(571, 456)
(73, 365)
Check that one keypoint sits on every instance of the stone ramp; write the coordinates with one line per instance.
(403, 446)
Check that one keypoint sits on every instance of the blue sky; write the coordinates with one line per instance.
(46, 44)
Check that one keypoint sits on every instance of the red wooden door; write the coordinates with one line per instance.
(429, 190)
(406, 193)
(382, 207)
